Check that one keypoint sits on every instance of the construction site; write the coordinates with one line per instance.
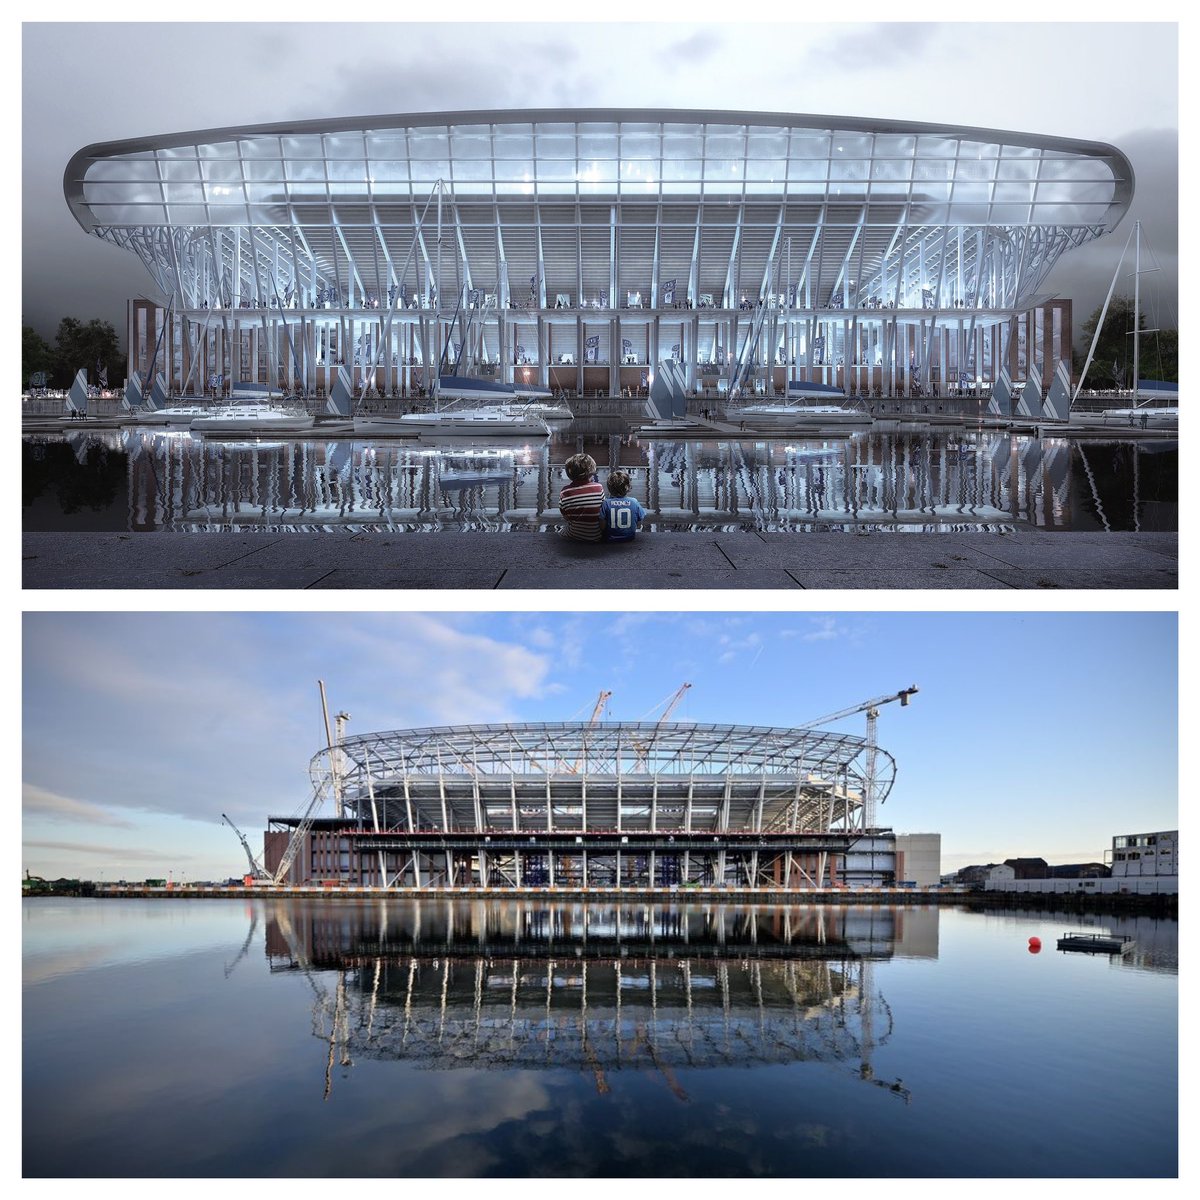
(593, 806)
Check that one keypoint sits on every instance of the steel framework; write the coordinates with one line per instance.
(622, 803)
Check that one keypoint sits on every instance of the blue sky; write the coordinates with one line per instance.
(1033, 733)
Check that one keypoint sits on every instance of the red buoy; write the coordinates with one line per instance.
(1035, 945)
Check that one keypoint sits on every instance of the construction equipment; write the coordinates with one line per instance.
(871, 708)
(256, 868)
(601, 701)
(326, 780)
(643, 748)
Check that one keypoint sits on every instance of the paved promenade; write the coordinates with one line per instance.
(1022, 559)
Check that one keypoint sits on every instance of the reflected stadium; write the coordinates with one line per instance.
(598, 988)
(928, 480)
(589, 246)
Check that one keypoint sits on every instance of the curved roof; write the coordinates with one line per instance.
(949, 174)
(606, 748)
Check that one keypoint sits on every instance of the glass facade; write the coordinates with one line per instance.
(628, 218)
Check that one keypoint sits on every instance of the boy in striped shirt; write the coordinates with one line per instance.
(579, 502)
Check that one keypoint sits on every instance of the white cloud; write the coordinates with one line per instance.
(824, 629)
(38, 802)
(117, 853)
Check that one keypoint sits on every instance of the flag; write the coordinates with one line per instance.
(669, 292)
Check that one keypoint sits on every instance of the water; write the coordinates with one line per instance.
(145, 480)
(419, 1038)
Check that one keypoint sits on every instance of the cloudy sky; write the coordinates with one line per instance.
(1033, 733)
(84, 83)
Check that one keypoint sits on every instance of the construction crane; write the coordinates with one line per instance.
(601, 701)
(871, 708)
(643, 748)
(333, 780)
(256, 868)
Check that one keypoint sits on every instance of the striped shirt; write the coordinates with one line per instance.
(579, 504)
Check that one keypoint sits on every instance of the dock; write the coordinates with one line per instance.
(1095, 943)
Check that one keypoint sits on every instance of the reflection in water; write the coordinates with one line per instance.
(260, 1037)
(930, 480)
(598, 989)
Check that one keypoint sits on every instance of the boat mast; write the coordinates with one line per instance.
(1137, 279)
(1100, 322)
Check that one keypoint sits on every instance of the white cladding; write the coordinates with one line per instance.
(922, 858)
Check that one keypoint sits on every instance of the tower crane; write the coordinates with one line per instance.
(871, 708)
(256, 869)
(601, 701)
(643, 748)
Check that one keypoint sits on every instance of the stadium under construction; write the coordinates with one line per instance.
(601, 804)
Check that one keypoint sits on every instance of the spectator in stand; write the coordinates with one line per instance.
(580, 501)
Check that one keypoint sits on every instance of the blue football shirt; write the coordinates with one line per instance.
(619, 517)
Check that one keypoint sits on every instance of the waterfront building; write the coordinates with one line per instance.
(581, 250)
(1145, 855)
(605, 804)
(1141, 864)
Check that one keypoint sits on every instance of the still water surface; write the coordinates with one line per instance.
(143, 480)
(345, 1038)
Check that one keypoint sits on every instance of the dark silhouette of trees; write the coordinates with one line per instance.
(1112, 366)
(89, 346)
(36, 354)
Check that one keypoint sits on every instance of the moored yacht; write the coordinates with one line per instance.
(807, 404)
(178, 416)
(482, 421)
(252, 416)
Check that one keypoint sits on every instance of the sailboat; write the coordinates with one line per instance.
(464, 406)
(1155, 403)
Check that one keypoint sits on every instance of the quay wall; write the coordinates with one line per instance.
(972, 898)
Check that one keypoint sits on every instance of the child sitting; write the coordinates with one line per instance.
(620, 513)
(579, 502)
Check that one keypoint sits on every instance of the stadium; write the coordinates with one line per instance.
(597, 804)
(578, 250)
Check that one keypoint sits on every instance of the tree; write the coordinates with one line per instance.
(1112, 364)
(36, 354)
(92, 346)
